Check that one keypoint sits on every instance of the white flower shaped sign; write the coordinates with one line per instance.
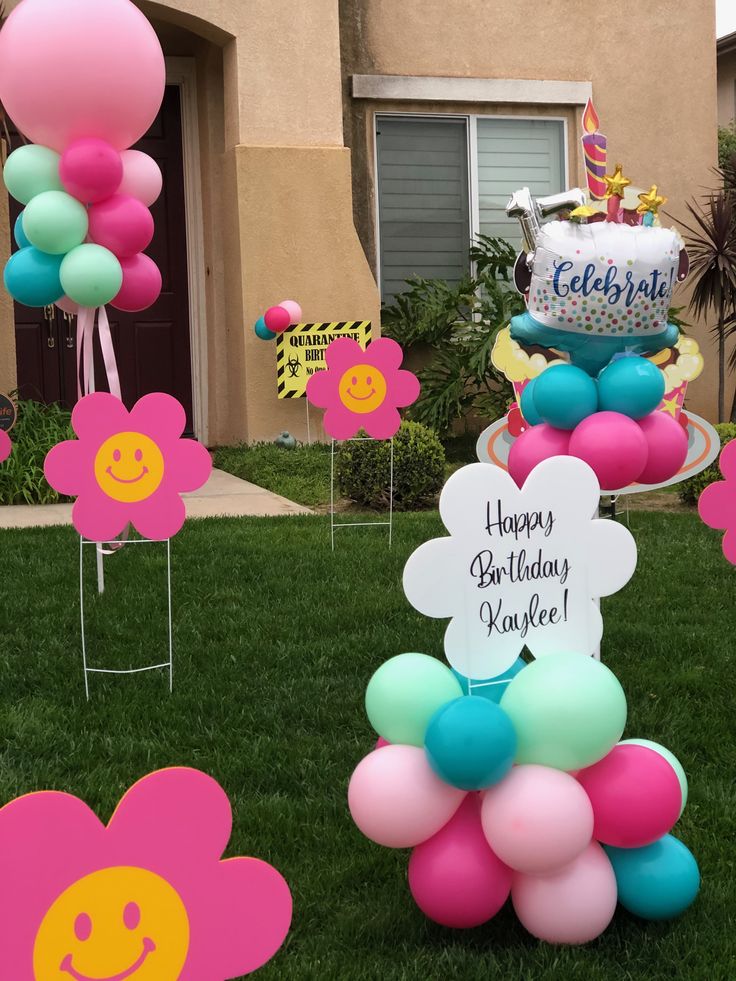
(521, 567)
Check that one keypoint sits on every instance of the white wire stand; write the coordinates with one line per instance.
(168, 664)
(361, 524)
(309, 431)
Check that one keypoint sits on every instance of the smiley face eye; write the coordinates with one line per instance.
(83, 927)
(132, 915)
(139, 455)
(354, 380)
(116, 455)
(369, 380)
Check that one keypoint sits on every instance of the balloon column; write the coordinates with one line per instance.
(598, 287)
(277, 319)
(86, 222)
(535, 797)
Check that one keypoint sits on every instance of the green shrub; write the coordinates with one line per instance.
(363, 469)
(690, 490)
(38, 428)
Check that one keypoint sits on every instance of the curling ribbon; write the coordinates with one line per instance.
(85, 334)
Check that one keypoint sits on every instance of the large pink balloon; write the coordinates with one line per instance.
(636, 796)
(142, 177)
(534, 445)
(455, 878)
(121, 224)
(80, 68)
(571, 906)
(613, 446)
(90, 170)
(396, 799)
(667, 442)
(141, 284)
(537, 819)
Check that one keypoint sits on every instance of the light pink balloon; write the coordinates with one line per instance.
(142, 178)
(113, 76)
(121, 224)
(613, 446)
(294, 310)
(396, 799)
(90, 170)
(667, 442)
(68, 306)
(455, 878)
(141, 284)
(571, 906)
(537, 819)
(534, 445)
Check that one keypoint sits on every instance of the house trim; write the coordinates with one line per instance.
(413, 88)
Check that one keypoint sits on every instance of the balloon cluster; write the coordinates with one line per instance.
(534, 797)
(86, 221)
(277, 319)
(609, 421)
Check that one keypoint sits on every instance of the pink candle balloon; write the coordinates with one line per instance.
(113, 78)
(667, 445)
(90, 170)
(142, 178)
(537, 819)
(141, 284)
(613, 446)
(396, 799)
(293, 309)
(121, 224)
(636, 796)
(277, 319)
(571, 906)
(534, 445)
(454, 877)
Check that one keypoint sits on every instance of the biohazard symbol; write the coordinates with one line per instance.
(293, 365)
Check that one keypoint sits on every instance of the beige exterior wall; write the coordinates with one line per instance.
(726, 88)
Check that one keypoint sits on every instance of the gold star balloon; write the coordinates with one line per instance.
(616, 183)
(651, 201)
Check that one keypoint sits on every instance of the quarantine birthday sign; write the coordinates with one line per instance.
(521, 568)
(300, 352)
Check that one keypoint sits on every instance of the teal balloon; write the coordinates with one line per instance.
(565, 395)
(490, 688)
(55, 222)
(569, 711)
(631, 385)
(32, 277)
(527, 404)
(262, 331)
(31, 170)
(470, 743)
(658, 881)
(19, 235)
(405, 692)
(671, 759)
(91, 275)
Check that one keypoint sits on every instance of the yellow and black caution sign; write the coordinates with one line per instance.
(300, 351)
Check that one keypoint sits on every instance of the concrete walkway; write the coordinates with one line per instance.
(222, 496)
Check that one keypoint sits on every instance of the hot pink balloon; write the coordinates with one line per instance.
(534, 445)
(68, 306)
(537, 819)
(141, 284)
(571, 906)
(113, 76)
(613, 446)
(396, 799)
(121, 224)
(636, 796)
(142, 178)
(293, 309)
(277, 319)
(455, 878)
(667, 443)
(90, 170)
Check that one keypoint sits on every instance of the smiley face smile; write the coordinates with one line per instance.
(148, 947)
(133, 480)
(361, 398)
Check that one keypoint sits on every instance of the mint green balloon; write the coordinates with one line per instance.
(671, 759)
(569, 711)
(91, 275)
(55, 222)
(31, 170)
(405, 692)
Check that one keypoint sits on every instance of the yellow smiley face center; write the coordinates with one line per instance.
(119, 923)
(362, 388)
(129, 467)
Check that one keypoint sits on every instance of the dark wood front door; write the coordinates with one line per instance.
(153, 347)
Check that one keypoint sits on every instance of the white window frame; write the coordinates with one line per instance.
(471, 122)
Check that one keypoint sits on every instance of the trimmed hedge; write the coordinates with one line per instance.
(690, 490)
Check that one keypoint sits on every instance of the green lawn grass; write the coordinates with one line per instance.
(301, 474)
(275, 640)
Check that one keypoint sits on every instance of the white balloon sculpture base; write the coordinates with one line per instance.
(100, 552)
(362, 524)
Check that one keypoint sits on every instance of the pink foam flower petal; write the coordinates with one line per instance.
(405, 388)
(5, 446)
(159, 416)
(65, 465)
(322, 388)
(188, 465)
(385, 354)
(99, 415)
(98, 517)
(727, 461)
(717, 504)
(729, 545)
(160, 516)
(178, 812)
(383, 423)
(340, 423)
(343, 353)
